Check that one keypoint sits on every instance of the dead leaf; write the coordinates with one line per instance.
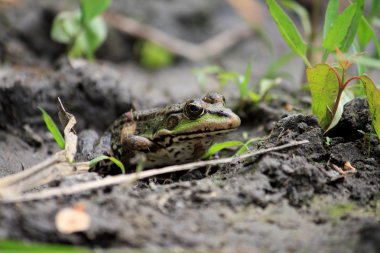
(70, 220)
(349, 168)
(339, 169)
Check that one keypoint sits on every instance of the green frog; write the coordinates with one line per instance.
(174, 134)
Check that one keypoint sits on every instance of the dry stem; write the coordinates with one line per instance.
(122, 179)
(194, 52)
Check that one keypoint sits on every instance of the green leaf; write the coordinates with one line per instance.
(119, 164)
(338, 33)
(364, 34)
(92, 8)
(21, 246)
(254, 97)
(244, 81)
(89, 38)
(153, 56)
(332, 12)
(288, 30)
(375, 9)
(324, 88)
(352, 31)
(302, 14)
(245, 148)
(53, 129)
(66, 26)
(273, 69)
(346, 97)
(265, 85)
(373, 96)
(202, 73)
(220, 146)
(370, 30)
(225, 77)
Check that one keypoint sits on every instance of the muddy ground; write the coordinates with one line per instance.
(287, 201)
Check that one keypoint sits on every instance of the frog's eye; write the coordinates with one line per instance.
(193, 109)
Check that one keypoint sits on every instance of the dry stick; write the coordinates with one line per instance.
(52, 168)
(61, 191)
(191, 51)
(44, 172)
(16, 180)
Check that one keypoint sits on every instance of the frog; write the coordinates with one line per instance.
(173, 134)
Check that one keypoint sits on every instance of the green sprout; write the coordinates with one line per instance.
(153, 56)
(327, 82)
(220, 146)
(252, 93)
(244, 147)
(118, 163)
(82, 30)
(53, 129)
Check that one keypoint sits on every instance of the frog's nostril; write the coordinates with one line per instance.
(223, 114)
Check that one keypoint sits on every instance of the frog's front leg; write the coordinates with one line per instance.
(138, 143)
(131, 142)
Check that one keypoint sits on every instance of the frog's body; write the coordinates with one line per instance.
(174, 134)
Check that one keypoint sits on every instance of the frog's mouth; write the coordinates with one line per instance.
(202, 134)
(193, 135)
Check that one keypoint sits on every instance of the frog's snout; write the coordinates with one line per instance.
(234, 120)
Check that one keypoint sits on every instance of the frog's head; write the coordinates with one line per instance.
(198, 118)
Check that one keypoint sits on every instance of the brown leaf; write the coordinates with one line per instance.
(70, 220)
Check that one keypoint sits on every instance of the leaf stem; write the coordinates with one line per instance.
(350, 79)
(338, 77)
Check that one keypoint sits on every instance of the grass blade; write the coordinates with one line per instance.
(119, 164)
(220, 146)
(53, 129)
(244, 81)
(288, 30)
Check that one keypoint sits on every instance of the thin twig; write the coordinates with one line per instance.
(44, 172)
(108, 181)
(194, 52)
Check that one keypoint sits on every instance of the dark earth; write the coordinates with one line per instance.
(287, 201)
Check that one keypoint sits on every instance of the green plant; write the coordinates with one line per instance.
(153, 56)
(251, 93)
(53, 129)
(82, 30)
(220, 146)
(244, 147)
(327, 82)
(20, 246)
(119, 164)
